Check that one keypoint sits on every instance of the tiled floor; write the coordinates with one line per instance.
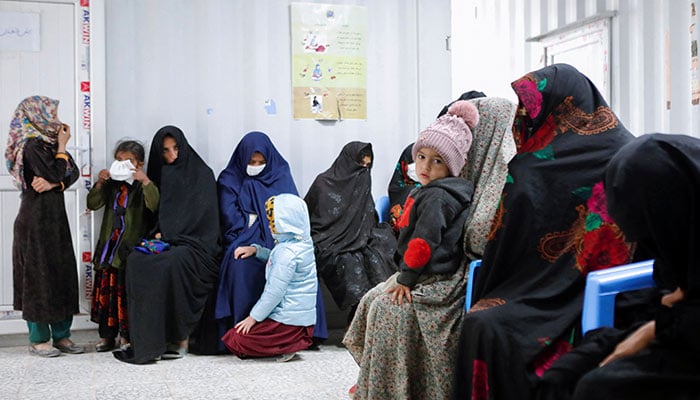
(324, 374)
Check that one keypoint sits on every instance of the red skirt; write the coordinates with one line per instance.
(269, 338)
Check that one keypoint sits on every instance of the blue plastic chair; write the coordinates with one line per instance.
(382, 207)
(473, 272)
(602, 287)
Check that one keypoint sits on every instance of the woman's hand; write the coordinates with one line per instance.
(41, 185)
(63, 137)
(398, 292)
(244, 326)
(244, 252)
(672, 298)
(636, 342)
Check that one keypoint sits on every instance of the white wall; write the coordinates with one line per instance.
(490, 52)
(208, 66)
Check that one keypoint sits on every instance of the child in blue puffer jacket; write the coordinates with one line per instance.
(282, 321)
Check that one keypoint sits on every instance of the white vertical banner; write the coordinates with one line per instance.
(83, 153)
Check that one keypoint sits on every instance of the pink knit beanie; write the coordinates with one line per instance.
(451, 135)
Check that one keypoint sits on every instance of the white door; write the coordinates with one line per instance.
(53, 69)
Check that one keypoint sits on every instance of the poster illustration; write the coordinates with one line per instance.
(329, 74)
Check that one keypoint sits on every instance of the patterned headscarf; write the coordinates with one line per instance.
(487, 166)
(35, 117)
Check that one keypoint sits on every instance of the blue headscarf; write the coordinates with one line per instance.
(241, 195)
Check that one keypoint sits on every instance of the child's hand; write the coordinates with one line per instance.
(141, 176)
(244, 252)
(244, 326)
(398, 292)
(102, 176)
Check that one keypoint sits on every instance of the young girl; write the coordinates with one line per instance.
(130, 201)
(403, 335)
(282, 321)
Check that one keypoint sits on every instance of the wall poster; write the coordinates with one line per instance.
(329, 67)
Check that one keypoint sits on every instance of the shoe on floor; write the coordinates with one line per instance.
(286, 357)
(106, 345)
(48, 353)
(174, 352)
(70, 348)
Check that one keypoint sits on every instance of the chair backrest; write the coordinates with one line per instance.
(473, 272)
(382, 207)
(602, 287)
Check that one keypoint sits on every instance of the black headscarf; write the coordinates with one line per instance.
(340, 203)
(653, 190)
(472, 94)
(188, 213)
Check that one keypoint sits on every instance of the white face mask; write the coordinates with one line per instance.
(122, 171)
(254, 170)
(411, 171)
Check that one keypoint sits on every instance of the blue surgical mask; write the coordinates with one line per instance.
(254, 170)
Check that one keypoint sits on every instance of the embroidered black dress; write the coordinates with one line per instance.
(550, 230)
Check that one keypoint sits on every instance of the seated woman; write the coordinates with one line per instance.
(167, 288)
(550, 230)
(410, 350)
(652, 187)
(255, 172)
(353, 251)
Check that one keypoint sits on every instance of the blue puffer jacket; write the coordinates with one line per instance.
(289, 296)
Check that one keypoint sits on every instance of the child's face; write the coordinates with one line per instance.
(127, 155)
(170, 150)
(430, 166)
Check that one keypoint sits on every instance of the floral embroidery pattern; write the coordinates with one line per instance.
(402, 222)
(542, 138)
(594, 238)
(550, 354)
(498, 217)
(529, 95)
(480, 381)
(571, 117)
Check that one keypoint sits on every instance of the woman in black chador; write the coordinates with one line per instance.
(168, 287)
(353, 252)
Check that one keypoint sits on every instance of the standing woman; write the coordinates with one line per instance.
(45, 276)
(255, 172)
(168, 288)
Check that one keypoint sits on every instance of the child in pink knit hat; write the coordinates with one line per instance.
(429, 256)
(430, 227)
